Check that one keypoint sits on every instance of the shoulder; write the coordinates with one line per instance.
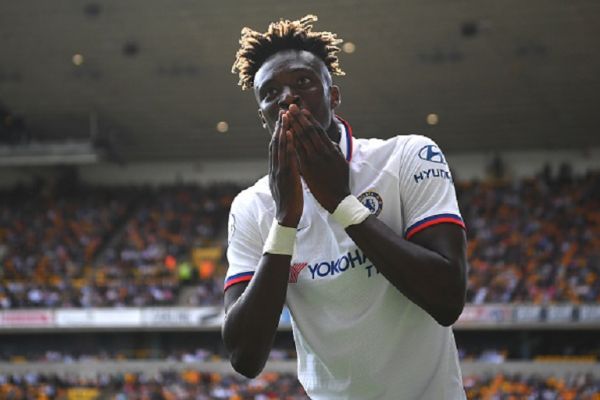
(397, 144)
(395, 151)
(255, 198)
(424, 148)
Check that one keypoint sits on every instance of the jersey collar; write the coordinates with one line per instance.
(346, 140)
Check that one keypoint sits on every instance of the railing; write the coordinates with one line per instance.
(89, 369)
(493, 316)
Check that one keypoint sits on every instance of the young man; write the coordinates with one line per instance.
(362, 239)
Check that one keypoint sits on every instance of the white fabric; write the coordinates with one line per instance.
(350, 211)
(357, 336)
(280, 240)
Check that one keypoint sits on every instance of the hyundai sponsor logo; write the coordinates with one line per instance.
(432, 153)
(432, 173)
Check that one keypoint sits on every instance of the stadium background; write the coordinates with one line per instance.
(123, 139)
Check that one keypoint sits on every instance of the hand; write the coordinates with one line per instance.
(284, 175)
(322, 164)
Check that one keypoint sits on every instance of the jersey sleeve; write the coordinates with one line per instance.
(245, 243)
(427, 189)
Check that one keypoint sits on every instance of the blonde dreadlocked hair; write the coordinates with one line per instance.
(256, 47)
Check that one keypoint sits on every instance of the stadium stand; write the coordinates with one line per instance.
(168, 385)
(185, 355)
(49, 238)
(66, 246)
(518, 386)
(534, 240)
(121, 139)
(50, 244)
(150, 259)
(194, 384)
(530, 241)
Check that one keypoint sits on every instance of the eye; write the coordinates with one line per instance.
(304, 81)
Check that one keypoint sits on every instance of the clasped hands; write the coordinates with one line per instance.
(300, 147)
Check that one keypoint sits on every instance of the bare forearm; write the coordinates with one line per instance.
(251, 322)
(430, 280)
(252, 315)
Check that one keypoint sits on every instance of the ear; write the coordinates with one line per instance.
(335, 96)
(263, 121)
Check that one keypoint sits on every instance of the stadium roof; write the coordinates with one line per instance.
(156, 74)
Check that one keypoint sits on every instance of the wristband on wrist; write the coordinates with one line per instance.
(281, 240)
(350, 211)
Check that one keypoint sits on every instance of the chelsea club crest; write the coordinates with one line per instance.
(373, 201)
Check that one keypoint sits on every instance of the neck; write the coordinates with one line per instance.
(333, 131)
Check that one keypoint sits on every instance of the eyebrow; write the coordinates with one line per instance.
(294, 70)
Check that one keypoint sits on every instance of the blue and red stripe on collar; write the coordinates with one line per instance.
(346, 139)
(238, 278)
(433, 220)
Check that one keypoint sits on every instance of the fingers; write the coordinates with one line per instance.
(302, 145)
(309, 132)
(274, 144)
(275, 150)
(304, 134)
(282, 147)
(324, 139)
(301, 130)
(273, 147)
(291, 153)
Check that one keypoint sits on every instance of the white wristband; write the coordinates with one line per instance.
(350, 211)
(280, 240)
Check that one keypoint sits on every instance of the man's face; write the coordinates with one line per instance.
(295, 76)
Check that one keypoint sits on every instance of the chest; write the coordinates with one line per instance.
(326, 262)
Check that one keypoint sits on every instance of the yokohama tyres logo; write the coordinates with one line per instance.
(295, 270)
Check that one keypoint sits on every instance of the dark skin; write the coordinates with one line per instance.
(296, 103)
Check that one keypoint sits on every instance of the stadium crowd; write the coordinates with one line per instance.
(168, 385)
(48, 241)
(191, 384)
(532, 240)
(513, 387)
(94, 247)
(149, 261)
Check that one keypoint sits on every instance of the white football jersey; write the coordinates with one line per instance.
(356, 335)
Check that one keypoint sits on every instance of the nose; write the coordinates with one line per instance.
(287, 98)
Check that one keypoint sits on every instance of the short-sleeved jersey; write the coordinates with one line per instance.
(356, 335)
